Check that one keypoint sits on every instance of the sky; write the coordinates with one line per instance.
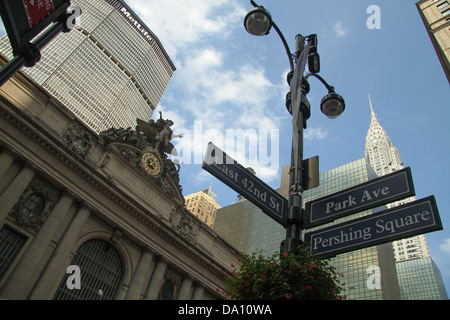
(229, 83)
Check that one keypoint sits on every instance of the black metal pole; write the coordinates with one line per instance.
(300, 113)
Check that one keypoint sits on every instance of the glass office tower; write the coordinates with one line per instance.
(249, 230)
(420, 279)
(109, 70)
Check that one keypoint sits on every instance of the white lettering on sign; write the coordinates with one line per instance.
(352, 201)
(381, 226)
(247, 184)
(136, 23)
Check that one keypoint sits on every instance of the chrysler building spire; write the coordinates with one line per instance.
(383, 156)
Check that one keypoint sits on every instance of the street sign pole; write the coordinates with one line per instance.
(299, 103)
(24, 20)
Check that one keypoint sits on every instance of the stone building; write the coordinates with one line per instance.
(87, 216)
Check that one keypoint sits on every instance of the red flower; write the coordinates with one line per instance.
(232, 265)
(285, 254)
(308, 287)
(313, 265)
(272, 264)
(217, 289)
(288, 296)
(263, 276)
(253, 289)
(247, 275)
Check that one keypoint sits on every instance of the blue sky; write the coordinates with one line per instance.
(227, 80)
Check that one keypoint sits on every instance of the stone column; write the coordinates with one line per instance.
(56, 268)
(6, 160)
(30, 266)
(12, 193)
(198, 292)
(141, 275)
(156, 280)
(186, 289)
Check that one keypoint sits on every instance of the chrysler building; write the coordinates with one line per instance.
(382, 154)
(384, 158)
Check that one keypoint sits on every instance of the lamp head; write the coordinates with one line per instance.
(332, 105)
(258, 22)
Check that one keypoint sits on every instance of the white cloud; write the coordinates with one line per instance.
(445, 246)
(340, 30)
(178, 23)
(314, 134)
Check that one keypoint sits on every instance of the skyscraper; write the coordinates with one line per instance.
(203, 205)
(384, 158)
(436, 17)
(418, 276)
(109, 71)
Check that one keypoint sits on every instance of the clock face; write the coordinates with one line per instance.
(151, 163)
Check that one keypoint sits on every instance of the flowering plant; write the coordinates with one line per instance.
(283, 276)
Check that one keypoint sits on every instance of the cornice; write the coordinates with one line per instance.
(82, 168)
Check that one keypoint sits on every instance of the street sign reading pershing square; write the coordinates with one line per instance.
(234, 175)
(400, 222)
(368, 195)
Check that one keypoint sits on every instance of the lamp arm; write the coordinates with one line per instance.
(330, 88)
(283, 39)
(288, 51)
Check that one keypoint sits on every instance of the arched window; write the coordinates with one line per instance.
(101, 273)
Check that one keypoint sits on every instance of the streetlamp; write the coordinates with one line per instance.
(259, 22)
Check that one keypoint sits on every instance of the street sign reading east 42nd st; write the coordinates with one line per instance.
(241, 180)
(397, 223)
(368, 195)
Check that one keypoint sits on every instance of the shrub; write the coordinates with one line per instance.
(283, 276)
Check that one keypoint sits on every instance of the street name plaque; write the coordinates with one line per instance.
(374, 193)
(235, 176)
(396, 223)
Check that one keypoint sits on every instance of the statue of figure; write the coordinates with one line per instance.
(160, 134)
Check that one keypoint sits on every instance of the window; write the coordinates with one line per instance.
(10, 244)
(101, 273)
(442, 5)
(446, 12)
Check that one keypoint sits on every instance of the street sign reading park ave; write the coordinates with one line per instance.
(396, 223)
(241, 180)
(368, 195)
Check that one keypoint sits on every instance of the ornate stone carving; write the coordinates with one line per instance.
(35, 204)
(149, 137)
(188, 229)
(78, 139)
